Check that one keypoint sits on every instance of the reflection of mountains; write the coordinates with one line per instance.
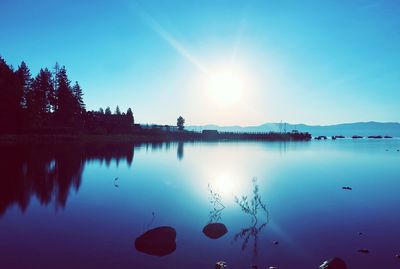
(49, 172)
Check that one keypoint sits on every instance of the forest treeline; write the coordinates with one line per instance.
(49, 103)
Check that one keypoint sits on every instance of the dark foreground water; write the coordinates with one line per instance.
(83, 206)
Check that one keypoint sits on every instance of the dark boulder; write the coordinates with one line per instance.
(335, 263)
(159, 241)
(215, 230)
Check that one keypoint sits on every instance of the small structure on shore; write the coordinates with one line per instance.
(210, 134)
(334, 137)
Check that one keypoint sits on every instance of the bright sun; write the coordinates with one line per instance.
(225, 87)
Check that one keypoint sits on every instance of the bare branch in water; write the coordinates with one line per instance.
(254, 205)
(251, 207)
(216, 201)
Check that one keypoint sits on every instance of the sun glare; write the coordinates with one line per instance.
(224, 184)
(225, 87)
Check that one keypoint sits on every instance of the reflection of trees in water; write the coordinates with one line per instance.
(50, 172)
(179, 151)
(251, 206)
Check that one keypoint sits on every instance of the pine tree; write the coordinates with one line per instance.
(42, 89)
(10, 97)
(101, 110)
(66, 103)
(53, 99)
(77, 91)
(180, 123)
(25, 80)
(108, 111)
(129, 115)
(117, 111)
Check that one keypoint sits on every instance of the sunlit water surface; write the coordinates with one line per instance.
(83, 206)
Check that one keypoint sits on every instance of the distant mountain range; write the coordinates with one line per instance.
(345, 129)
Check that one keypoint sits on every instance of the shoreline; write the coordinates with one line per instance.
(136, 138)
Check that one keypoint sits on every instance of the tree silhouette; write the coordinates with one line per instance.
(108, 111)
(129, 116)
(42, 89)
(24, 80)
(180, 123)
(10, 98)
(66, 102)
(38, 104)
(78, 94)
(49, 104)
(53, 99)
(117, 111)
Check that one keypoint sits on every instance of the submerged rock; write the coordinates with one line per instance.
(363, 250)
(159, 241)
(347, 188)
(334, 263)
(215, 230)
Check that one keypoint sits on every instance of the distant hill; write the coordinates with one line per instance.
(346, 129)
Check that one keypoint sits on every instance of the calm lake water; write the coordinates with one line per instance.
(83, 206)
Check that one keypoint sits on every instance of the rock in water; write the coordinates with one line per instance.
(215, 230)
(335, 263)
(220, 265)
(159, 241)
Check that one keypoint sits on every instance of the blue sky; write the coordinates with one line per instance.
(315, 62)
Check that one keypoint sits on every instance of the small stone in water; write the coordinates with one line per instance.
(363, 250)
(398, 256)
(275, 242)
(221, 265)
